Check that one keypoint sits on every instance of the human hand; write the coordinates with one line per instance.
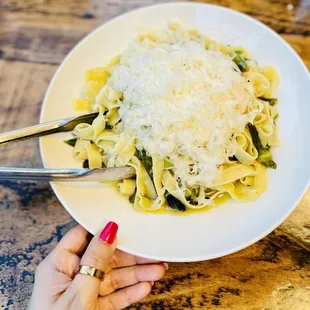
(127, 279)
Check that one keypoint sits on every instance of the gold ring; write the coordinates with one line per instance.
(91, 271)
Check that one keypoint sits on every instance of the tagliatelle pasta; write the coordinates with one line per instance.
(195, 118)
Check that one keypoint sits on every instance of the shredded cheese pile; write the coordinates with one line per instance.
(183, 102)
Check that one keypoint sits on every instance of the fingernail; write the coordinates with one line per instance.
(108, 234)
(152, 283)
(166, 266)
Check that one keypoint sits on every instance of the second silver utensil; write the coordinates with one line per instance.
(72, 175)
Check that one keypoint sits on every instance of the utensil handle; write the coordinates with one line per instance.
(72, 175)
(10, 173)
(32, 132)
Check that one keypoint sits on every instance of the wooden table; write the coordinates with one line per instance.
(35, 36)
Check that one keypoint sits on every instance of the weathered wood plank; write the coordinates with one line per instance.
(32, 222)
(301, 45)
(40, 40)
(49, 40)
(21, 92)
(300, 232)
(273, 13)
(22, 87)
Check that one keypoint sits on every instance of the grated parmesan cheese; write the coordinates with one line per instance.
(183, 102)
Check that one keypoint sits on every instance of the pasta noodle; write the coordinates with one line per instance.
(194, 117)
(127, 187)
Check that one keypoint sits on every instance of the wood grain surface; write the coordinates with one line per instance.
(35, 36)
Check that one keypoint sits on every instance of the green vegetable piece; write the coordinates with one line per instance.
(175, 203)
(133, 197)
(108, 126)
(239, 52)
(255, 137)
(272, 101)
(264, 154)
(71, 142)
(238, 60)
(146, 161)
(141, 155)
(168, 163)
(265, 158)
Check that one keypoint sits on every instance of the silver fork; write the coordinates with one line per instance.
(72, 175)
(62, 125)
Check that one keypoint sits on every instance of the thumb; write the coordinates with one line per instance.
(98, 255)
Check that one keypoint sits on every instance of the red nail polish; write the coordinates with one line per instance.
(108, 234)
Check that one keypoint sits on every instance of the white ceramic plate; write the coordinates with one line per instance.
(205, 235)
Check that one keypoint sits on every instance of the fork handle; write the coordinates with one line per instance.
(72, 175)
(11, 173)
(32, 132)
